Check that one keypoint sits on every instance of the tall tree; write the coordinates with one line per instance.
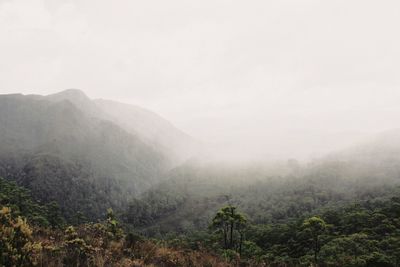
(314, 227)
(229, 221)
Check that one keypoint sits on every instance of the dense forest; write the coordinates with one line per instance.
(362, 233)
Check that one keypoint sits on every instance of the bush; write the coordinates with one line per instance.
(16, 244)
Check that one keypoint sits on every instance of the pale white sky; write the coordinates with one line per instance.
(287, 77)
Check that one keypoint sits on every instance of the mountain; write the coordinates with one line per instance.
(66, 148)
(80, 100)
(151, 128)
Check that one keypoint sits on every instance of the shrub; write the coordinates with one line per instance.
(16, 245)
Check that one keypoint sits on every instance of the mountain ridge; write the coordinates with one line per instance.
(67, 149)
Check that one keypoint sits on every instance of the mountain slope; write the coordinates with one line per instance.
(60, 148)
(151, 128)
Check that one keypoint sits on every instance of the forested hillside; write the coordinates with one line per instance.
(267, 194)
(64, 149)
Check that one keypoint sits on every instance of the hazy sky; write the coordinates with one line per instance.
(283, 77)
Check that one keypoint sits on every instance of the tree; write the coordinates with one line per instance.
(77, 252)
(229, 222)
(113, 225)
(241, 223)
(347, 251)
(314, 227)
(220, 221)
(54, 215)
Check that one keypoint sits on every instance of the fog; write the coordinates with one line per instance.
(259, 79)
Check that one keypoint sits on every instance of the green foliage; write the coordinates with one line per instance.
(54, 215)
(297, 220)
(332, 239)
(348, 250)
(112, 225)
(231, 225)
(21, 203)
(314, 227)
(328, 238)
(251, 250)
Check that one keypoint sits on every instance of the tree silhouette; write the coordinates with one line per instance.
(229, 221)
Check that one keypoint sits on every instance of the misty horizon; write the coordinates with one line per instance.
(261, 79)
(245, 150)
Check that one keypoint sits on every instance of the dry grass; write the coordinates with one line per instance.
(105, 252)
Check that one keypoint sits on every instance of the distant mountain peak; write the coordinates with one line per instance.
(70, 94)
(78, 98)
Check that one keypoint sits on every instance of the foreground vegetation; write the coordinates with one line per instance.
(363, 233)
(92, 244)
